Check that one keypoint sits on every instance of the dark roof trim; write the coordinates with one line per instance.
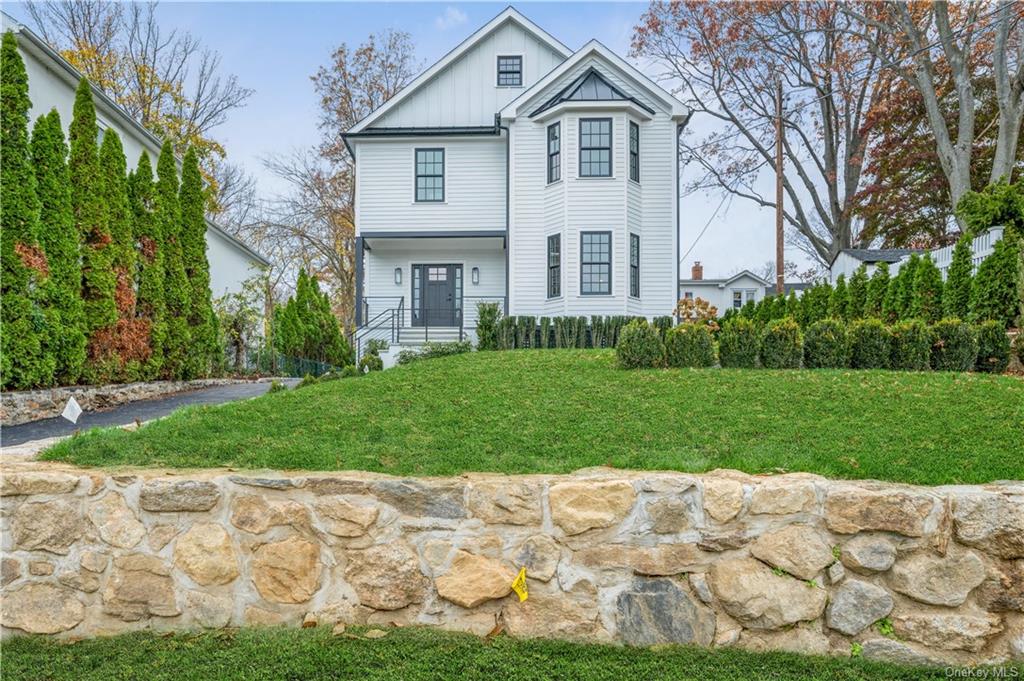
(424, 132)
(873, 255)
(445, 234)
(569, 92)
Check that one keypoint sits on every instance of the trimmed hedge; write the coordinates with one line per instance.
(431, 350)
(870, 345)
(640, 346)
(911, 346)
(993, 348)
(826, 345)
(690, 345)
(1018, 346)
(782, 345)
(738, 344)
(954, 346)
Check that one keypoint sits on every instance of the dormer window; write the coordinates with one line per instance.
(510, 71)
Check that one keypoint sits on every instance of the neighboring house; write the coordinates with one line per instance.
(518, 172)
(52, 82)
(731, 292)
(797, 287)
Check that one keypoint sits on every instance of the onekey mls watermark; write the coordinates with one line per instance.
(1010, 672)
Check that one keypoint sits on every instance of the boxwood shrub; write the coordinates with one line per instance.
(870, 345)
(1018, 346)
(993, 348)
(826, 345)
(737, 344)
(954, 346)
(782, 346)
(911, 346)
(640, 346)
(690, 345)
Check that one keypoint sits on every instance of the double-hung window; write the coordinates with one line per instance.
(634, 151)
(595, 147)
(430, 175)
(510, 71)
(554, 265)
(554, 152)
(634, 265)
(595, 263)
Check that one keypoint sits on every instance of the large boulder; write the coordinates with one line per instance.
(867, 555)
(849, 510)
(657, 611)
(343, 518)
(139, 587)
(172, 496)
(41, 608)
(797, 549)
(287, 571)
(749, 591)
(993, 523)
(505, 502)
(948, 631)
(116, 523)
(938, 580)
(48, 525)
(856, 605)
(386, 577)
(472, 580)
(584, 505)
(206, 554)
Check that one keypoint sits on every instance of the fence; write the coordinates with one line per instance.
(981, 247)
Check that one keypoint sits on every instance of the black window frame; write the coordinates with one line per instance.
(611, 137)
(518, 72)
(554, 157)
(605, 263)
(634, 153)
(554, 268)
(634, 265)
(417, 175)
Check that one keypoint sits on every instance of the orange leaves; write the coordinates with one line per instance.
(33, 258)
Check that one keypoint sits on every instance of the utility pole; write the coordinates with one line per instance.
(779, 250)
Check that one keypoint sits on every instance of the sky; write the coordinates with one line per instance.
(274, 48)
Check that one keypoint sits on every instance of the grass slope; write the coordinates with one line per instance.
(559, 410)
(409, 654)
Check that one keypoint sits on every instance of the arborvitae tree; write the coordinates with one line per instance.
(150, 310)
(24, 362)
(927, 302)
(176, 286)
(793, 306)
(764, 310)
(891, 302)
(306, 327)
(202, 322)
(858, 291)
(839, 302)
(956, 298)
(906, 276)
(98, 281)
(994, 291)
(878, 286)
(816, 303)
(59, 241)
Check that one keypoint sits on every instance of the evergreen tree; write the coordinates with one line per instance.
(956, 298)
(149, 305)
(176, 287)
(994, 291)
(306, 328)
(202, 322)
(793, 305)
(839, 302)
(878, 286)
(927, 303)
(858, 291)
(891, 302)
(24, 362)
(816, 303)
(906, 276)
(59, 241)
(91, 222)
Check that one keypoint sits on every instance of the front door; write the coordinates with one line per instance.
(438, 296)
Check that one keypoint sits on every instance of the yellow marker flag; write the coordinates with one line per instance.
(519, 585)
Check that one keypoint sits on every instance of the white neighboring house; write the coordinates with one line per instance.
(518, 172)
(732, 292)
(52, 83)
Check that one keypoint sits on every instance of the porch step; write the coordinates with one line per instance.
(417, 335)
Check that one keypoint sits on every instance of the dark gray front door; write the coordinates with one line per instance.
(440, 292)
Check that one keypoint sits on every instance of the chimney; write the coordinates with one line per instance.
(697, 271)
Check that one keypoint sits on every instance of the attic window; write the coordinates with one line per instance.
(510, 71)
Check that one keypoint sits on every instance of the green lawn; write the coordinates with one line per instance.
(559, 410)
(407, 655)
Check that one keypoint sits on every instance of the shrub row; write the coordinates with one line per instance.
(497, 332)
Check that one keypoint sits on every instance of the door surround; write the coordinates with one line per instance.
(436, 294)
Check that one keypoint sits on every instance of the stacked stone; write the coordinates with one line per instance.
(794, 562)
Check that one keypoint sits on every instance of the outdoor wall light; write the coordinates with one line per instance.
(476, 276)
(398, 276)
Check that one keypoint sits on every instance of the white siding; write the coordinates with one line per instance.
(720, 294)
(474, 186)
(230, 266)
(466, 91)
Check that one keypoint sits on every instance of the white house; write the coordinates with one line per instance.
(732, 292)
(52, 82)
(517, 171)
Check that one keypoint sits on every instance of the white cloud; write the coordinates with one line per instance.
(452, 17)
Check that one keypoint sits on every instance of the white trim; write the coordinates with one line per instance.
(586, 108)
(509, 14)
(522, 70)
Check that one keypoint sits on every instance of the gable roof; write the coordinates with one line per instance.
(594, 48)
(509, 14)
(873, 255)
(728, 280)
(589, 86)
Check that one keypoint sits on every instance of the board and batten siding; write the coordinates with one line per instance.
(474, 191)
(466, 91)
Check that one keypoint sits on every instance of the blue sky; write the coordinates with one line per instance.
(274, 47)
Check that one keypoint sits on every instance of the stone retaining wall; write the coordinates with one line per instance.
(791, 562)
(31, 405)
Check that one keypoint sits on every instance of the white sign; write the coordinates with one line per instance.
(72, 411)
